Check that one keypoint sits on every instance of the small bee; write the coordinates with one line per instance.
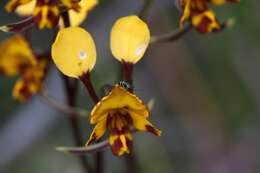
(124, 85)
(107, 88)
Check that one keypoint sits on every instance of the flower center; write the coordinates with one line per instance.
(119, 120)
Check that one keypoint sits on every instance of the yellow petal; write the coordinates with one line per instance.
(205, 22)
(222, 2)
(31, 81)
(16, 55)
(98, 131)
(36, 72)
(186, 12)
(118, 98)
(130, 38)
(25, 89)
(13, 4)
(26, 9)
(76, 18)
(74, 51)
(142, 124)
(120, 143)
(74, 4)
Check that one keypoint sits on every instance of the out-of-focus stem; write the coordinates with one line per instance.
(145, 8)
(172, 35)
(71, 87)
(18, 26)
(130, 160)
(84, 150)
(132, 163)
(85, 78)
(87, 149)
(62, 107)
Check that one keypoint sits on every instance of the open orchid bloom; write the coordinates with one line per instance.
(117, 113)
(17, 58)
(46, 13)
(200, 16)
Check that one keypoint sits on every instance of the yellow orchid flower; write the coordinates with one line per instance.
(74, 52)
(16, 55)
(31, 81)
(76, 17)
(129, 39)
(205, 22)
(17, 58)
(200, 16)
(117, 113)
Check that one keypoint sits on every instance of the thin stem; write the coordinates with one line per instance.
(171, 36)
(85, 150)
(145, 8)
(132, 163)
(85, 78)
(66, 18)
(62, 107)
(71, 87)
(130, 160)
(18, 26)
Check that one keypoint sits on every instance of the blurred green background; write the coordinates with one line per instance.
(206, 87)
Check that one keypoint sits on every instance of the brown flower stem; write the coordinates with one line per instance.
(71, 88)
(127, 71)
(130, 160)
(27, 35)
(62, 107)
(145, 8)
(85, 78)
(173, 35)
(132, 163)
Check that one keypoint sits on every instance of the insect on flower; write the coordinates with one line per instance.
(117, 113)
(124, 85)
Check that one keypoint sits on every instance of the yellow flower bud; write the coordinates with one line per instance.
(130, 37)
(74, 51)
